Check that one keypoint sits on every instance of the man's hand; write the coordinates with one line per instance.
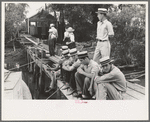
(80, 70)
(96, 79)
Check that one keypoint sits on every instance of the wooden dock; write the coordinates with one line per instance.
(134, 91)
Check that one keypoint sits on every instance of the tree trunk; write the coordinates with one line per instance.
(13, 44)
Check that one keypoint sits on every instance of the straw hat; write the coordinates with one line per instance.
(105, 60)
(73, 52)
(82, 54)
(70, 29)
(102, 11)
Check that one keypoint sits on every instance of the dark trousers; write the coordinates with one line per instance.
(69, 77)
(72, 81)
(82, 84)
(52, 44)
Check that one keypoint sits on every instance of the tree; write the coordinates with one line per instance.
(128, 43)
(82, 18)
(14, 15)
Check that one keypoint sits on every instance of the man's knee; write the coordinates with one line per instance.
(76, 74)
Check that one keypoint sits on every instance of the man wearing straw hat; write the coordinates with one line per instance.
(64, 61)
(84, 75)
(51, 42)
(69, 38)
(111, 84)
(72, 70)
(104, 33)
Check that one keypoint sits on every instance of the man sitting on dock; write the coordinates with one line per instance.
(84, 75)
(65, 60)
(111, 84)
(72, 70)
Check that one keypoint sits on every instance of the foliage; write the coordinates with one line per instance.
(128, 42)
(82, 18)
(14, 15)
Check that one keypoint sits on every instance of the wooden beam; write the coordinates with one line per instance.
(136, 87)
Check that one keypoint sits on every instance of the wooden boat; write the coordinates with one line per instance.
(15, 87)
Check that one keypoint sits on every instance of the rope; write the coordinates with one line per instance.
(55, 92)
(22, 65)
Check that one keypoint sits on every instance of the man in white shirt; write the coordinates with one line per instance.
(111, 84)
(104, 32)
(52, 26)
(69, 38)
(84, 75)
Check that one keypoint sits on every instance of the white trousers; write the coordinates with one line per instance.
(107, 91)
(102, 50)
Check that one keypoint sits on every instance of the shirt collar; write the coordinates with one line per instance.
(103, 21)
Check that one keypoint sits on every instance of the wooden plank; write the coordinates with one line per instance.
(128, 97)
(54, 59)
(135, 94)
(136, 87)
(65, 92)
(31, 40)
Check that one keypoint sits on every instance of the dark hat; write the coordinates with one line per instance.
(102, 11)
(82, 54)
(73, 51)
(105, 60)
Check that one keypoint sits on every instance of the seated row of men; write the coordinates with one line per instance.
(86, 79)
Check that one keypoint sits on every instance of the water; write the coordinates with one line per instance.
(28, 78)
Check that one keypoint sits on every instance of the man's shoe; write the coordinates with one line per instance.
(72, 92)
(84, 97)
(49, 89)
(66, 87)
(77, 95)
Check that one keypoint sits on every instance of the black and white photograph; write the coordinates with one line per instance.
(69, 60)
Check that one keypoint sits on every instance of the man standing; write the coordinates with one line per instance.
(52, 39)
(104, 32)
(84, 75)
(51, 42)
(111, 84)
(69, 38)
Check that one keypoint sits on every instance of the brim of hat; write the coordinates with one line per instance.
(70, 30)
(101, 12)
(107, 62)
(73, 54)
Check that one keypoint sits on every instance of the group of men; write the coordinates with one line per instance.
(96, 78)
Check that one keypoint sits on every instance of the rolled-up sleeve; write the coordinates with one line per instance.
(110, 29)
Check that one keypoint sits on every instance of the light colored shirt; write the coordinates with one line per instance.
(115, 76)
(76, 63)
(70, 35)
(104, 29)
(94, 66)
(55, 31)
